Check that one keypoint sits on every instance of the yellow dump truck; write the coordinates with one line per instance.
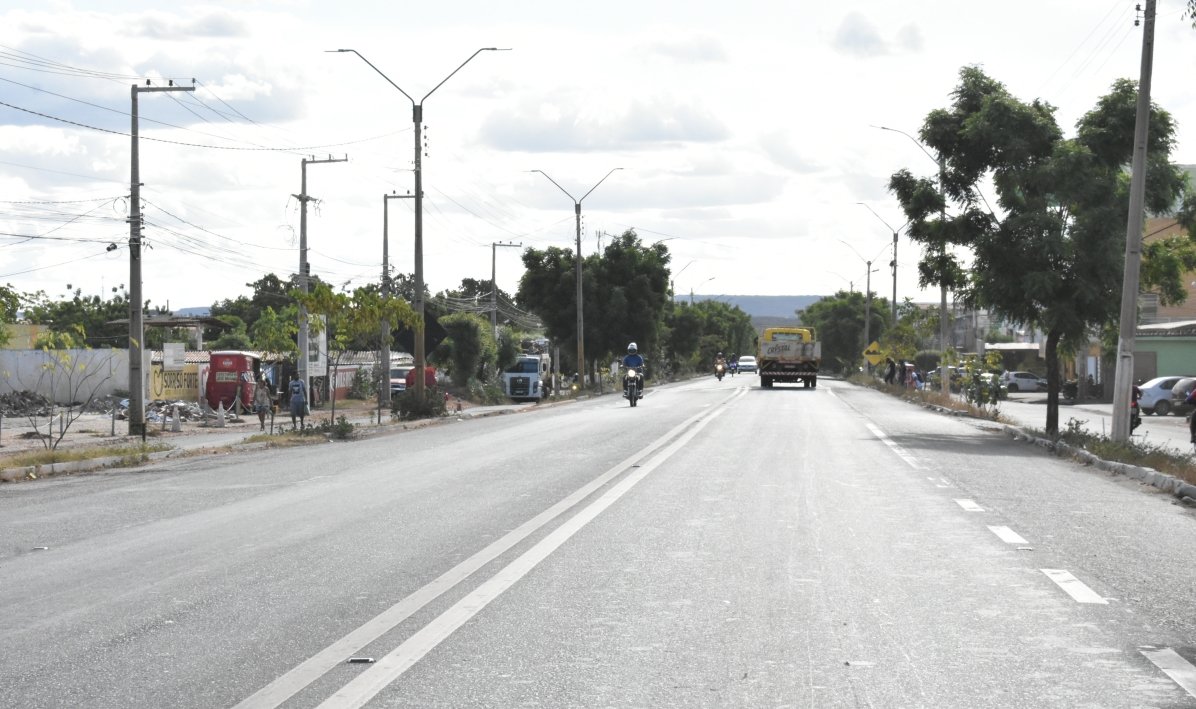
(789, 354)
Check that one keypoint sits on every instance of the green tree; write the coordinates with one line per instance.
(92, 314)
(277, 331)
(234, 337)
(10, 303)
(1048, 260)
(626, 303)
(625, 292)
(548, 289)
(473, 351)
(838, 321)
(354, 318)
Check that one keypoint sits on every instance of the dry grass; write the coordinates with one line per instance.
(128, 454)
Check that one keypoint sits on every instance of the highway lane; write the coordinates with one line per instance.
(720, 545)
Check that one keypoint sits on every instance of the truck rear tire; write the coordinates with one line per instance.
(766, 382)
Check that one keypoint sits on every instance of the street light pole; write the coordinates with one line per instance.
(417, 117)
(581, 352)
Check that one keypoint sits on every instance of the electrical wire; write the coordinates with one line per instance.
(306, 148)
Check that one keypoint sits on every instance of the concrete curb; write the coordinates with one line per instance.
(1169, 484)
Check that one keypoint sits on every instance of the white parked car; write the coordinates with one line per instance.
(1156, 395)
(1023, 381)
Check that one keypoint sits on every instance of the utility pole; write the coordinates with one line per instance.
(136, 322)
(1124, 377)
(494, 282)
(384, 400)
(304, 267)
(868, 305)
(894, 265)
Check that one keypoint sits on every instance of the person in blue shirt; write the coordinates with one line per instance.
(634, 360)
(298, 392)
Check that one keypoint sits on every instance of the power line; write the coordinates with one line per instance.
(197, 145)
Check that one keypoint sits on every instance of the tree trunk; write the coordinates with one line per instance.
(1052, 367)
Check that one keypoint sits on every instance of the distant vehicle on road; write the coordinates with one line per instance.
(1156, 395)
(1023, 381)
(747, 363)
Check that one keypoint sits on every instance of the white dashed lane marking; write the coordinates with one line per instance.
(1174, 666)
(969, 505)
(909, 459)
(1073, 586)
(1007, 535)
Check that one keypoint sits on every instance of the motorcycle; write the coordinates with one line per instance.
(633, 385)
(1135, 415)
(719, 370)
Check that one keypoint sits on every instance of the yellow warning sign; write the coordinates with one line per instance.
(873, 354)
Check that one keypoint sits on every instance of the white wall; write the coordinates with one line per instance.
(77, 375)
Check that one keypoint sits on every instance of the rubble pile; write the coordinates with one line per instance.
(159, 410)
(24, 403)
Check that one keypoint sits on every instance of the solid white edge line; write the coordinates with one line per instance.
(1007, 535)
(1073, 586)
(359, 691)
(969, 505)
(1177, 668)
(909, 460)
(293, 681)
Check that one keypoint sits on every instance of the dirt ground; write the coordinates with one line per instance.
(23, 434)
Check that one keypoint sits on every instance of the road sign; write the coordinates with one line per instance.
(873, 354)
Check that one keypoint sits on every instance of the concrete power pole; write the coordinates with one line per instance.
(136, 322)
(494, 282)
(1124, 377)
(305, 268)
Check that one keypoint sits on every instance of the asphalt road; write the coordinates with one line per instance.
(718, 545)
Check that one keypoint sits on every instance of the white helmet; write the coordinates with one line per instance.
(631, 349)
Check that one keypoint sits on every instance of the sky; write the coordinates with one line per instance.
(746, 133)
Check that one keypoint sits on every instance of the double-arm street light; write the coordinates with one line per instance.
(581, 359)
(938, 160)
(893, 263)
(417, 117)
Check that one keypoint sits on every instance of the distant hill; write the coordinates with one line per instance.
(199, 312)
(766, 306)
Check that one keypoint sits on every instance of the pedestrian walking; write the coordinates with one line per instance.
(261, 400)
(890, 370)
(298, 391)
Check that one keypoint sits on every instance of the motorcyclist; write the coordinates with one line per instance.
(720, 365)
(634, 360)
(733, 364)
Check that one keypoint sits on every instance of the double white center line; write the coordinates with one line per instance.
(359, 691)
